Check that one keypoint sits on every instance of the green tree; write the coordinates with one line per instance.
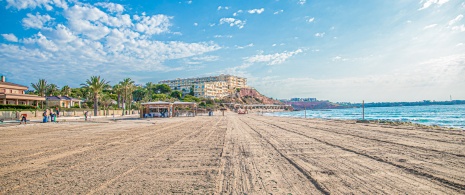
(53, 90)
(163, 88)
(190, 98)
(106, 102)
(76, 92)
(159, 97)
(41, 88)
(65, 90)
(95, 85)
(118, 90)
(192, 91)
(139, 93)
(151, 89)
(176, 94)
(127, 86)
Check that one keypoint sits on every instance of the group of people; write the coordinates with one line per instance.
(50, 115)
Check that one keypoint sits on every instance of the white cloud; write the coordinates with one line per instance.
(274, 45)
(112, 7)
(278, 12)
(220, 8)
(95, 38)
(460, 28)
(243, 47)
(196, 24)
(10, 37)
(311, 20)
(320, 34)
(155, 24)
(200, 60)
(256, 11)
(428, 3)
(459, 44)
(223, 36)
(430, 26)
(42, 42)
(237, 13)
(338, 59)
(301, 2)
(62, 34)
(233, 22)
(272, 59)
(36, 21)
(32, 4)
(455, 20)
(189, 2)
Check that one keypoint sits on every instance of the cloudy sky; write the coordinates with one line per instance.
(353, 50)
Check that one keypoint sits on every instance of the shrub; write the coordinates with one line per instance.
(10, 106)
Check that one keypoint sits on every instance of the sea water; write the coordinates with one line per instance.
(443, 115)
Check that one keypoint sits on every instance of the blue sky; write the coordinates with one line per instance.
(352, 50)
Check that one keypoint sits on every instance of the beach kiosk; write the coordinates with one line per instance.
(166, 109)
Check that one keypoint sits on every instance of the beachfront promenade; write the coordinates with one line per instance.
(234, 154)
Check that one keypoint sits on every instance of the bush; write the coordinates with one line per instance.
(19, 107)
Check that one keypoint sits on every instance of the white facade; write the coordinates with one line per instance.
(210, 87)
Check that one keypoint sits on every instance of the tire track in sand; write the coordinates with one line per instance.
(315, 183)
(179, 142)
(449, 183)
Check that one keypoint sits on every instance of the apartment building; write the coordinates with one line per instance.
(212, 86)
(211, 90)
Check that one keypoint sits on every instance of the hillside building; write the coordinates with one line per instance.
(303, 100)
(209, 87)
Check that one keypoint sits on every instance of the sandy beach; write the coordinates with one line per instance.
(232, 154)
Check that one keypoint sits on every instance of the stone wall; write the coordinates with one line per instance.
(31, 115)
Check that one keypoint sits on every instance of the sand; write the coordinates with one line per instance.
(234, 154)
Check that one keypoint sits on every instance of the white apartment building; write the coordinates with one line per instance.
(211, 87)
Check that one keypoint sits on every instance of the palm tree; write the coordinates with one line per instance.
(150, 90)
(127, 86)
(52, 89)
(65, 90)
(118, 90)
(95, 85)
(106, 101)
(41, 88)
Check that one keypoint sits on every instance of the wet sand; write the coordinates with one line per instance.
(234, 154)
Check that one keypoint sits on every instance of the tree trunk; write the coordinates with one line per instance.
(124, 105)
(119, 100)
(95, 104)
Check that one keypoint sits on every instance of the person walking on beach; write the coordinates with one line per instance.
(58, 113)
(85, 115)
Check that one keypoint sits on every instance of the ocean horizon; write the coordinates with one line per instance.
(441, 115)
